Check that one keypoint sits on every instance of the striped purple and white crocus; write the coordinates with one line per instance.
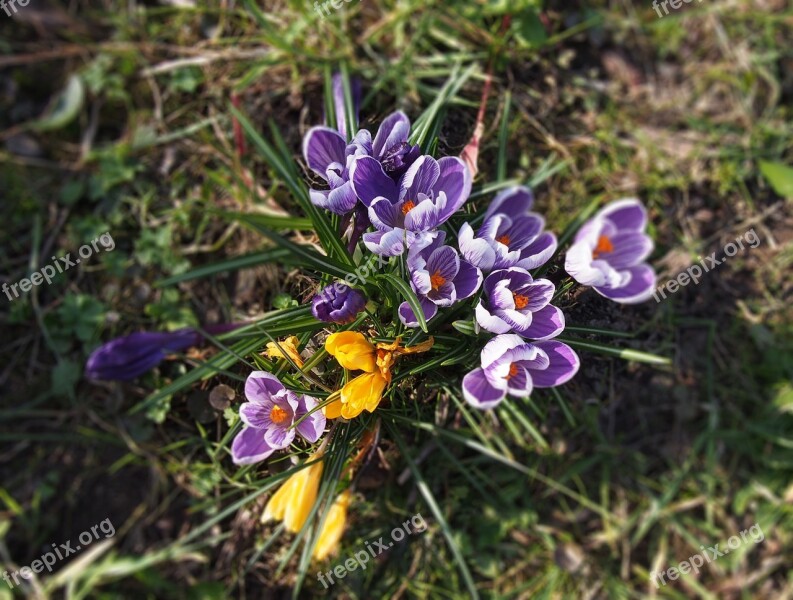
(609, 253)
(512, 366)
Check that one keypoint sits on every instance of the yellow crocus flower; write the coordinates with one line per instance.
(283, 349)
(352, 350)
(355, 352)
(293, 501)
(333, 528)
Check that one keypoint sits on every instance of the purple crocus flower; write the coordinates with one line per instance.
(511, 365)
(514, 301)
(438, 276)
(128, 357)
(510, 236)
(269, 416)
(337, 303)
(609, 252)
(427, 194)
(329, 155)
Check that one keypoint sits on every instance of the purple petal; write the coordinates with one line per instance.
(408, 317)
(477, 251)
(539, 294)
(488, 321)
(280, 436)
(479, 392)
(393, 131)
(468, 280)
(516, 319)
(627, 215)
(444, 262)
(524, 230)
(338, 103)
(249, 447)
(384, 215)
(261, 386)
(256, 415)
(423, 217)
(340, 201)
(455, 181)
(498, 347)
(386, 243)
(513, 202)
(323, 146)
(630, 249)
(639, 287)
(419, 178)
(563, 365)
(546, 323)
(370, 181)
(520, 381)
(539, 252)
(313, 426)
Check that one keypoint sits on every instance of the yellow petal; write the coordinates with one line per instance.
(363, 392)
(332, 530)
(288, 347)
(333, 410)
(294, 499)
(352, 350)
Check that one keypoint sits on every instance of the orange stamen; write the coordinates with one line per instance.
(437, 280)
(278, 415)
(504, 239)
(513, 370)
(521, 301)
(604, 247)
(408, 206)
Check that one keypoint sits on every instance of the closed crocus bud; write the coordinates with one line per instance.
(128, 357)
(337, 303)
(294, 500)
(332, 530)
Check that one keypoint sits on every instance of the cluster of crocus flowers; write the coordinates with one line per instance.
(354, 352)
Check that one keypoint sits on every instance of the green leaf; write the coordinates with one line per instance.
(436, 511)
(624, 353)
(779, 176)
(65, 108)
(284, 167)
(408, 294)
(310, 258)
(465, 327)
(233, 264)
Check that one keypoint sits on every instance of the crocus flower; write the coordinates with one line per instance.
(609, 252)
(333, 528)
(128, 357)
(337, 303)
(329, 155)
(439, 277)
(514, 301)
(512, 366)
(424, 197)
(510, 236)
(269, 416)
(293, 501)
(287, 348)
(355, 352)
